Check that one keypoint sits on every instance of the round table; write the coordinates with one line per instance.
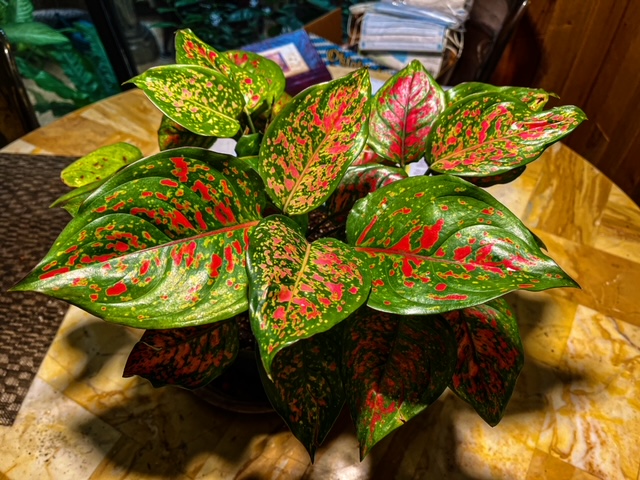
(575, 413)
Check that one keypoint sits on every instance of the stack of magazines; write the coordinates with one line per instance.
(395, 32)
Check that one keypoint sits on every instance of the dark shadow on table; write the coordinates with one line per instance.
(165, 431)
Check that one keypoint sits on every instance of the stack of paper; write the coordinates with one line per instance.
(395, 32)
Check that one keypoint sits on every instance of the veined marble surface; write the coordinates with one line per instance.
(575, 413)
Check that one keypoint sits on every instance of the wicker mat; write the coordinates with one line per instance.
(28, 321)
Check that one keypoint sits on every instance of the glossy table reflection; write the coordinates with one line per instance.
(575, 413)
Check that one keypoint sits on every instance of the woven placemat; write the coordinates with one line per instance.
(28, 321)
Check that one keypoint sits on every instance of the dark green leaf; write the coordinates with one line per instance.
(33, 33)
(249, 145)
(72, 200)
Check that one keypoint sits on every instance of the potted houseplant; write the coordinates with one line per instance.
(362, 284)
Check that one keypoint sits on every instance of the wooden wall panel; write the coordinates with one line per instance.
(589, 54)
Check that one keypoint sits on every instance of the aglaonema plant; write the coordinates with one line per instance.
(363, 285)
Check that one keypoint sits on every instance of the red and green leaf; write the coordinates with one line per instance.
(535, 98)
(358, 182)
(394, 367)
(200, 99)
(306, 389)
(402, 114)
(488, 134)
(173, 135)
(185, 357)
(190, 50)
(299, 289)
(100, 164)
(490, 357)
(260, 79)
(439, 243)
(159, 245)
(308, 147)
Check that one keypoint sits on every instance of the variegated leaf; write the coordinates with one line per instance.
(439, 243)
(490, 357)
(185, 357)
(306, 389)
(159, 245)
(309, 146)
(190, 50)
(100, 164)
(173, 135)
(394, 367)
(488, 134)
(299, 289)
(260, 79)
(402, 113)
(535, 98)
(200, 99)
(358, 182)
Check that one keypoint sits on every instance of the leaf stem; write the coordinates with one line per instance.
(251, 125)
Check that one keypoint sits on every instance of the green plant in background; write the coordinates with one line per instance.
(229, 25)
(362, 285)
(69, 65)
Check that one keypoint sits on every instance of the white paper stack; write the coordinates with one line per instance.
(395, 32)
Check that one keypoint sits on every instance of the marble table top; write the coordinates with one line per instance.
(575, 413)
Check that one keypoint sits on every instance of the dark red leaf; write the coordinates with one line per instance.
(394, 367)
(490, 357)
(186, 357)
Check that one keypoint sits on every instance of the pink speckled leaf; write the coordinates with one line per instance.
(439, 243)
(186, 357)
(535, 98)
(260, 79)
(394, 367)
(159, 245)
(488, 134)
(190, 50)
(306, 389)
(200, 99)
(298, 288)
(490, 357)
(402, 113)
(309, 146)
